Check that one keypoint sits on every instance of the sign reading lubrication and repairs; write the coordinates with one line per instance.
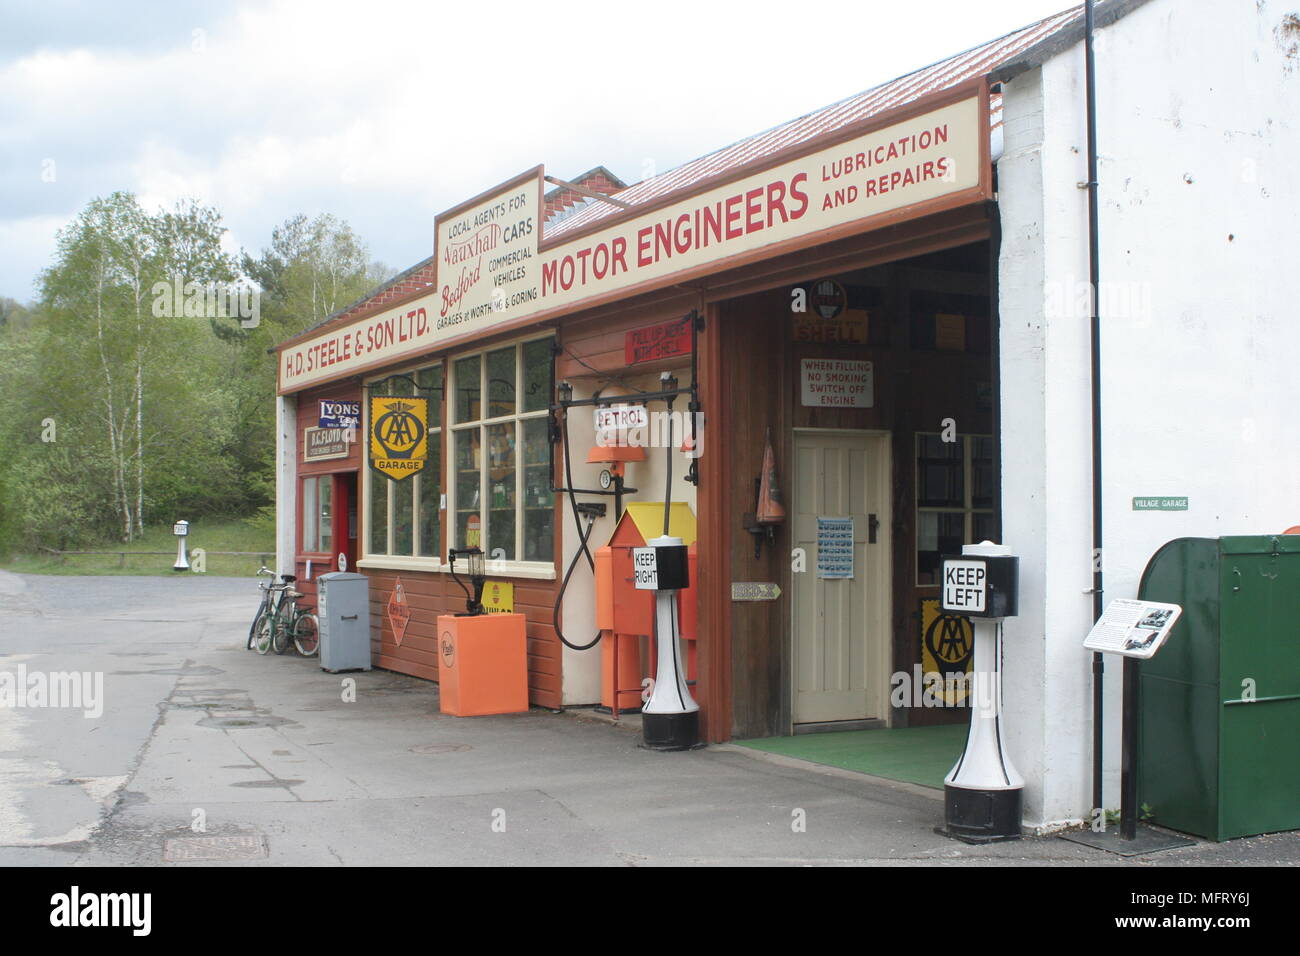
(494, 266)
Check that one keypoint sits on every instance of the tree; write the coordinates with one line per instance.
(99, 302)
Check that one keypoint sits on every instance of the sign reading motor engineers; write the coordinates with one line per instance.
(492, 271)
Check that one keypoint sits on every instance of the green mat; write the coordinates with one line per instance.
(921, 755)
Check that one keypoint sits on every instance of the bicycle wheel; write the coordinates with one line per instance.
(265, 633)
(283, 633)
(306, 635)
(253, 628)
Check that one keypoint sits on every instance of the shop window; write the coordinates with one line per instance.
(317, 514)
(954, 499)
(500, 494)
(403, 517)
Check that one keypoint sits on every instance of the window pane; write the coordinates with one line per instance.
(430, 381)
(501, 382)
(501, 490)
(430, 492)
(468, 389)
(403, 493)
(981, 527)
(939, 473)
(982, 473)
(539, 512)
(937, 534)
(309, 515)
(377, 521)
(325, 494)
(537, 376)
(468, 459)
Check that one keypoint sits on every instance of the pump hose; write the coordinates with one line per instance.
(583, 535)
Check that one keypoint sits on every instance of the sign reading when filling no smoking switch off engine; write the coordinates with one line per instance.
(979, 587)
(836, 383)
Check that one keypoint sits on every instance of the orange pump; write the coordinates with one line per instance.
(624, 614)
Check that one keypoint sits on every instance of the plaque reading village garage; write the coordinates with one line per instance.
(836, 383)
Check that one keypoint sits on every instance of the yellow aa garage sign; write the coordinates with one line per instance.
(399, 435)
(947, 648)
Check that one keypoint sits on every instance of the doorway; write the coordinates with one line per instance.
(842, 596)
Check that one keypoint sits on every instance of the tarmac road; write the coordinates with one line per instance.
(205, 750)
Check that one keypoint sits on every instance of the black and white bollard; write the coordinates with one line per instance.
(181, 529)
(983, 792)
(670, 719)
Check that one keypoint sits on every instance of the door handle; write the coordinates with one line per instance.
(349, 617)
(872, 524)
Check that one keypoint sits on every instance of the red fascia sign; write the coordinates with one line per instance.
(654, 342)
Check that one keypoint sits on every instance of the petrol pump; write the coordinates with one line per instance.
(625, 614)
(636, 563)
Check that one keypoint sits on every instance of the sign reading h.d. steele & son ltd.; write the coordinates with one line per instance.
(495, 269)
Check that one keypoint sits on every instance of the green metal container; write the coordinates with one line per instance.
(1211, 760)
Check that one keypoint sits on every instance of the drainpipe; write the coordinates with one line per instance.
(1094, 280)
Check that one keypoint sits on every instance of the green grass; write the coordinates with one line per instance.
(214, 534)
(920, 755)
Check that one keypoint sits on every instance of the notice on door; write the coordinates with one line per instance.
(836, 383)
(835, 548)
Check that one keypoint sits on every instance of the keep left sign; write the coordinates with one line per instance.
(965, 587)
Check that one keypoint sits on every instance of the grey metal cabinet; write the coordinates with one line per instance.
(343, 606)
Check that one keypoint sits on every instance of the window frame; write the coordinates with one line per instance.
(511, 566)
(968, 511)
(389, 560)
(444, 432)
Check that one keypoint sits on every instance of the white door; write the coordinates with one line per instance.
(841, 625)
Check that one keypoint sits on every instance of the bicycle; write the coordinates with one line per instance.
(262, 607)
(285, 621)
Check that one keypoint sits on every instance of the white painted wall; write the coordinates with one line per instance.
(286, 482)
(1197, 132)
(581, 684)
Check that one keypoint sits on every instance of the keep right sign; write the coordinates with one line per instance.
(965, 587)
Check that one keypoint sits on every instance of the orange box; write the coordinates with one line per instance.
(483, 664)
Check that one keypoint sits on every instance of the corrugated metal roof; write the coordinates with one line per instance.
(955, 70)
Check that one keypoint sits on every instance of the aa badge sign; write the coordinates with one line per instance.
(947, 643)
(399, 435)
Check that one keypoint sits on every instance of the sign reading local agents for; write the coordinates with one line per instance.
(979, 586)
(487, 256)
(399, 435)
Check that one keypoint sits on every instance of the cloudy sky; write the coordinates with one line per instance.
(386, 113)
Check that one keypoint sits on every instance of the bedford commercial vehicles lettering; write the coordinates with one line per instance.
(74, 908)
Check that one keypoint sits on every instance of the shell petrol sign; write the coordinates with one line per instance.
(399, 435)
